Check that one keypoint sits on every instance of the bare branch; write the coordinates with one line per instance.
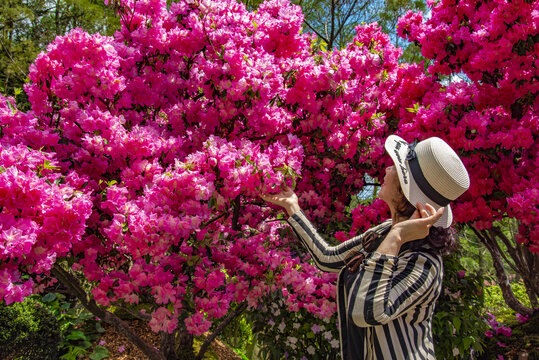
(509, 248)
(11, 58)
(316, 32)
(331, 37)
(348, 16)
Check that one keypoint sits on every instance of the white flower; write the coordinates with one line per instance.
(327, 336)
(310, 350)
(456, 352)
(281, 326)
(296, 325)
(292, 340)
(334, 343)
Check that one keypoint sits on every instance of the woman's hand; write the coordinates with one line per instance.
(416, 227)
(286, 198)
(419, 224)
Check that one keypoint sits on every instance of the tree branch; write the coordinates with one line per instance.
(220, 328)
(510, 249)
(314, 30)
(516, 255)
(11, 58)
(503, 282)
(236, 214)
(138, 315)
(331, 37)
(348, 16)
(204, 225)
(75, 288)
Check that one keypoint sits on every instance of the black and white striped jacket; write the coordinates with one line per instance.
(385, 308)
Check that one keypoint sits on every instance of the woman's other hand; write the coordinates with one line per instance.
(416, 227)
(419, 224)
(286, 199)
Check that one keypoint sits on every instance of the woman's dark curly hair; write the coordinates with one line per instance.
(443, 240)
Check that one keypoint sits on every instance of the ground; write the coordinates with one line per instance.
(121, 349)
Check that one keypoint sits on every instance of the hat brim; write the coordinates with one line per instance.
(397, 148)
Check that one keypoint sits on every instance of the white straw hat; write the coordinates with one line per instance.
(429, 172)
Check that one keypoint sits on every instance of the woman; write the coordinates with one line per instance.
(390, 276)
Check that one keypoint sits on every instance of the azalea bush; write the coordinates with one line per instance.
(283, 330)
(134, 178)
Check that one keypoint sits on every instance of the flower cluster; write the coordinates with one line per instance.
(497, 330)
(41, 217)
(490, 117)
(294, 334)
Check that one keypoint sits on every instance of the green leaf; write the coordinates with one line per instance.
(76, 335)
(50, 297)
(100, 352)
(99, 328)
(467, 342)
(457, 322)
(323, 46)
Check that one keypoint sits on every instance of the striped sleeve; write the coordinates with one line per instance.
(327, 258)
(388, 286)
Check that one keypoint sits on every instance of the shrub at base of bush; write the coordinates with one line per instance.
(28, 331)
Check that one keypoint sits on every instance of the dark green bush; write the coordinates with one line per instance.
(28, 331)
(458, 324)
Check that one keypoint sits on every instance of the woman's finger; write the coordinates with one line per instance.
(422, 211)
(435, 215)
(430, 208)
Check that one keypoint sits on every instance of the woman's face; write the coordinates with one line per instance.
(389, 191)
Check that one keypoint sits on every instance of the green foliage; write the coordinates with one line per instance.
(78, 327)
(495, 303)
(252, 4)
(458, 324)
(100, 352)
(474, 256)
(239, 336)
(28, 331)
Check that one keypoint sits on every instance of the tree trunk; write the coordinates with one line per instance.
(503, 281)
(185, 345)
(168, 345)
(75, 288)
